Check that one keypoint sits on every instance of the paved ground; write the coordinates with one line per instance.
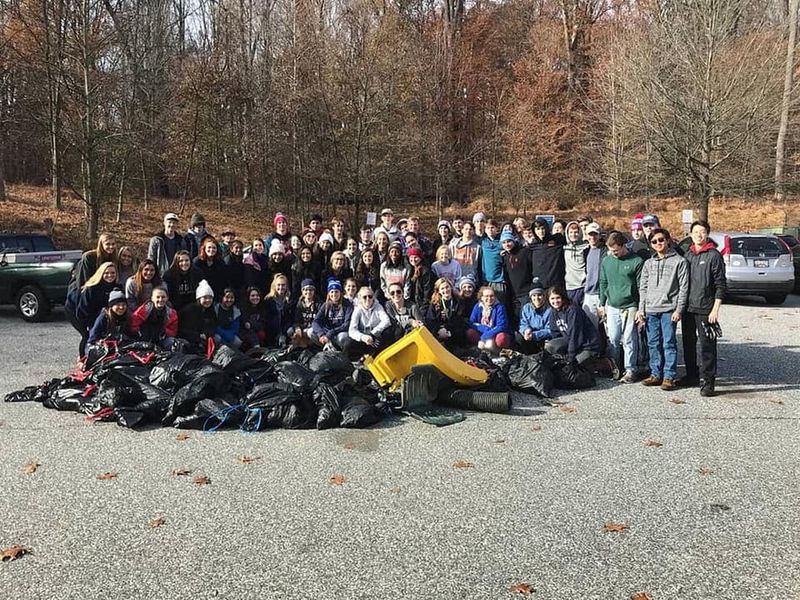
(712, 514)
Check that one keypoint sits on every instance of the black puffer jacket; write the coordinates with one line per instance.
(706, 278)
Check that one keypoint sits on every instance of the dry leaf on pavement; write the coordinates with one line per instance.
(395, 490)
(615, 527)
(181, 472)
(653, 444)
(568, 409)
(201, 480)
(30, 468)
(641, 596)
(246, 460)
(107, 475)
(522, 588)
(182, 436)
(13, 553)
(500, 441)
(157, 522)
(778, 402)
(704, 471)
(537, 427)
(677, 401)
(462, 464)
(337, 479)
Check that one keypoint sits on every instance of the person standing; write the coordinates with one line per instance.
(619, 299)
(575, 251)
(596, 252)
(387, 226)
(707, 286)
(193, 239)
(165, 245)
(663, 291)
(490, 255)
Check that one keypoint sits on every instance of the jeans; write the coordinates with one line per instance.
(663, 343)
(692, 329)
(591, 302)
(621, 327)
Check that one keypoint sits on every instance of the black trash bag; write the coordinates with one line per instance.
(211, 414)
(331, 367)
(178, 370)
(66, 398)
(24, 395)
(210, 385)
(233, 361)
(300, 377)
(357, 413)
(530, 375)
(119, 389)
(365, 385)
(273, 356)
(329, 410)
(573, 377)
(129, 418)
(279, 405)
(44, 391)
(95, 353)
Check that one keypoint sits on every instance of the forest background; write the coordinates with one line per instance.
(114, 111)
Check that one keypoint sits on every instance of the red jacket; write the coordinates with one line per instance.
(141, 317)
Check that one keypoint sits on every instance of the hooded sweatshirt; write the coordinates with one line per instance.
(547, 258)
(517, 270)
(664, 284)
(573, 324)
(331, 320)
(468, 255)
(537, 320)
(706, 278)
(575, 261)
(228, 322)
(491, 261)
(372, 321)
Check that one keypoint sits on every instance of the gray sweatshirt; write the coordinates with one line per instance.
(664, 284)
(368, 322)
(575, 261)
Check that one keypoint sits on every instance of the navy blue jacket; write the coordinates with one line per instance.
(573, 324)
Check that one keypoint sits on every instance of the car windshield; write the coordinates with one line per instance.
(757, 247)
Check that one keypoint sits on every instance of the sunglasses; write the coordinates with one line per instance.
(367, 296)
(395, 293)
(658, 240)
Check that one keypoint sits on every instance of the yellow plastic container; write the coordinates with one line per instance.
(419, 347)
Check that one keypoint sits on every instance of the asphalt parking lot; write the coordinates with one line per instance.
(711, 513)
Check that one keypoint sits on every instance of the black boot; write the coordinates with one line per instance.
(707, 389)
(688, 381)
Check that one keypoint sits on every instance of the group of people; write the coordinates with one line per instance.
(562, 287)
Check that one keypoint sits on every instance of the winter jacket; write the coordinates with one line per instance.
(196, 321)
(664, 284)
(283, 267)
(575, 264)
(279, 318)
(228, 322)
(156, 250)
(342, 276)
(491, 261)
(395, 274)
(255, 272)
(392, 232)
(91, 302)
(368, 322)
(302, 271)
(517, 271)
(421, 289)
(448, 315)
(641, 248)
(132, 295)
(465, 306)
(573, 324)
(215, 274)
(403, 320)
(181, 286)
(152, 325)
(252, 320)
(619, 280)
(547, 260)
(192, 242)
(235, 267)
(331, 320)
(496, 323)
(468, 256)
(594, 258)
(103, 329)
(706, 278)
(304, 314)
(451, 271)
(537, 320)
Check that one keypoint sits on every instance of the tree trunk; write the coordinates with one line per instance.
(788, 83)
(121, 194)
(145, 183)
(2, 175)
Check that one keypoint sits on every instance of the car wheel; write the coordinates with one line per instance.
(775, 299)
(32, 304)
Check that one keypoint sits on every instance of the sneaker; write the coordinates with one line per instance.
(668, 385)
(686, 382)
(614, 368)
(653, 381)
(707, 389)
(629, 377)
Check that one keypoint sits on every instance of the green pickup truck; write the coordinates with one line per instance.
(34, 276)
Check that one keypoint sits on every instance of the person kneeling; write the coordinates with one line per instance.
(574, 336)
(534, 323)
(198, 321)
(304, 314)
(228, 320)
(155, 322)
(488, 323)
(113, 322)
(368, 327)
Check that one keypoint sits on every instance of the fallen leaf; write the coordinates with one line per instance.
(31, 467)
(704, 471)
(641, 596)
(182, 436)
(500, 441)
(107, 475)
(537, 427)
(246, 460)
(522, 588)
(349, 446)
(557, 402)
(157, 522)
(181, 472)
(337, 479)
(395, 490)
(615, 527)
(462, 464)
(653, 444)
(568, 409)
(778, 402)
(677, 401)
(720, 507)
(14, 552)
(201, 480)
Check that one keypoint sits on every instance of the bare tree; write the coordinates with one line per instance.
(788, 85)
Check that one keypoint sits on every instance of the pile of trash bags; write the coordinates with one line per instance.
(136, 384)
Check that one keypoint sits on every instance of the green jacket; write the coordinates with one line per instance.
(619, 280)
